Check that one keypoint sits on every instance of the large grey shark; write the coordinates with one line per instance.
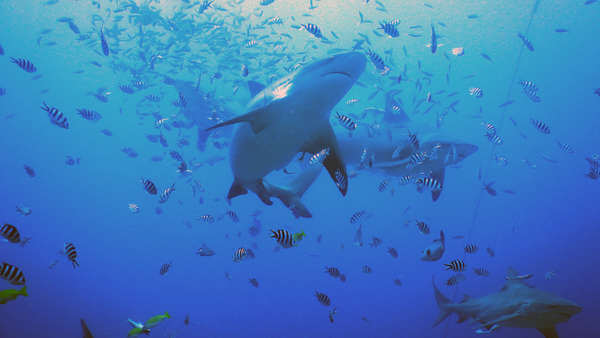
(516, 305)
(291, 116)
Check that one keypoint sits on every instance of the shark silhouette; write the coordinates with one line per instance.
(291, 116)
(516, 305)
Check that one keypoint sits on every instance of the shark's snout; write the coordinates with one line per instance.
(349, 64)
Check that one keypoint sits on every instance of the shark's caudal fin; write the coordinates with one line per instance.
(86, 331)
(291, 196)
(548, 332)
(442, 303)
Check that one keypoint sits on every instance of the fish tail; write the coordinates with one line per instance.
(442, 303)
(167, 315)
(23, 291)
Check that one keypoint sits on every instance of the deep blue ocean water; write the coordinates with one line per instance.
(543, 220)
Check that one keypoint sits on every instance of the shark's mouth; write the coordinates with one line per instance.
(339, 73)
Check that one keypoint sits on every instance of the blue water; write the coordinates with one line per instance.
(548, 224)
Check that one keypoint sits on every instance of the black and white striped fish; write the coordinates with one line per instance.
(12, 274)
(346, 121)
(456, 265)
(476, 91)
(565, 147)
(90, 115)
(490, 129)
(10, 233)
(430, 183)
(382, 186)
(204, 5)
(495, 139)
(423, 227)
(407, 179)
(540, 126)
(71, 253)
(164, 196)
(357, 216)
(207, 219)
(323, 298)
(181, 101)
(234, 217)
(333, 271)
(455, 279)
(341, 181)
(283, 237)
(165, 268)
(481, 272)
(390, 29)
(530, 90)
(319, 157)
(416, 159)
(24, 64)
(149, 186)
(378, 62)
(526, 42)
(240, 254)
(56, 117)
(413, 140)
(126, 89)
(312, 29)
(152, 98)
(471, 248)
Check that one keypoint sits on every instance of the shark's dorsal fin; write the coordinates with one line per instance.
(255, 87)
(325, 138)
(258, 119)
(86, 331)
(548, 332)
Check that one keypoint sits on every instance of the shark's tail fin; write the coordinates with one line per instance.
(291, 195)
(442, 303)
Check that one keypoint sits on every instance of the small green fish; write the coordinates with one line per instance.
(152, 322)
(12, 294)
(137, 331)
(299, 236)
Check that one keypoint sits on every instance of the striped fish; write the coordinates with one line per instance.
(341, 181)
(312, 29)
(413, 140)
(357, 216)
(346, 121)
(378, 62)
(319, 157)
(416, 159)
(383, 185)
(90, 115)
(164, 196)
(333, 271)
(540, 126)
(165, 268)
(126, 89)
(495, 139)
(565, 147)
(430, 183)
(454, 280)
(423, 227)
(251, 43)
(149, 186)
(323, 298)
(206, 219)
(234, 217)
(71, 253)
(389, 28)
(456, 265)
(407, 179)
(476, 91)
(152, 98)
(10, 233)
(530, 90)
(471, 248)
(24, 64)
(284, 238)
(12, 274)
(204, 5)
(56, 117)
(240, 254)
(490, 129)
(481, 272)
(526, 42)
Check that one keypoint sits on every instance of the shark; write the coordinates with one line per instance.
(516, 305)
(288, 117)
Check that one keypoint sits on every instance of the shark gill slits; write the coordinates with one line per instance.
(10, 233)
(323, 298)
(71, 253)
(456, 265)
(149, 186)
(12, 274)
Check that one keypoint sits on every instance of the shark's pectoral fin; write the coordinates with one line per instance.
(333, 162)
(548, 332)
(259, 119)
(236, 190)
(438, 175)
(255, 88)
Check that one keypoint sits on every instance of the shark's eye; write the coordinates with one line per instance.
(428, 252)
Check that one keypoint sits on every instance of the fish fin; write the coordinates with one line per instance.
(442, 303)
(548, 332)
(291, 196)
(438, 175)
(333, 162)
(236, 190)
(258, 119)
(86, 331)
(263, 193)
(255, 88)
